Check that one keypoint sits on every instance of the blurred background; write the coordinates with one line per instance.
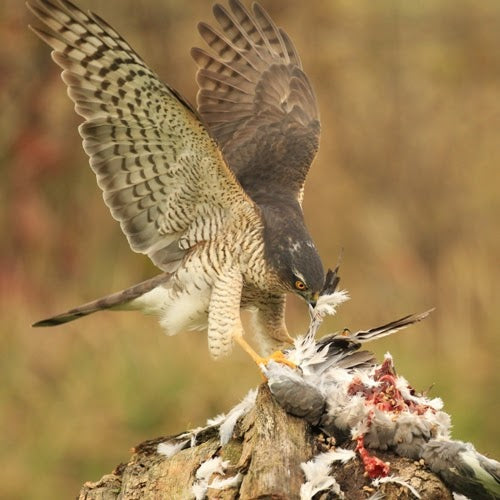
(406, 182)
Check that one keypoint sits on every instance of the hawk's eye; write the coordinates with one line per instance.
(300, 285)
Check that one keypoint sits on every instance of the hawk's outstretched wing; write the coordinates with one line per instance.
(162, 175)
(257, 101)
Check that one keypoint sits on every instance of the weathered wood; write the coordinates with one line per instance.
(275, 446)
(267, 448)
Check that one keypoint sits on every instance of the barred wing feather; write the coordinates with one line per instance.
(257, 101)
(162, 175)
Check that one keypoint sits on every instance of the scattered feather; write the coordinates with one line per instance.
(398, 480)
(205, 471)
(217, 420)
(229, 482)
(342, 455)
(192, 435)
(227, 426)
(317, 473)
(170, 448)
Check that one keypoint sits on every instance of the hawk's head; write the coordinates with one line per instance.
(291, 252)
(304, 272)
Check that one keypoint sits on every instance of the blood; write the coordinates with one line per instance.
(386, 397)
(374, 467)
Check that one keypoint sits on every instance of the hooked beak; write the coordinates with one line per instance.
(313, 299)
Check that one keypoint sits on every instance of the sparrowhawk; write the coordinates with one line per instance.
(211, 194)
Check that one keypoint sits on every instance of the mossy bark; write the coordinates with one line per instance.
(267, 448)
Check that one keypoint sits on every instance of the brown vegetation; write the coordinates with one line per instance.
(406, 182)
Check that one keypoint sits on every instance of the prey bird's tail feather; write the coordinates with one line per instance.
(389, 328)
(346, 344)
(118, 300)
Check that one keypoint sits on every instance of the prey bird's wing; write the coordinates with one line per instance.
(342, 350)
(389, 328)
(257, 101)
(162, 175)
(349, 342)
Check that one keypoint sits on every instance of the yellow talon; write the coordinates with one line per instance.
(276, 356)
(279, 357)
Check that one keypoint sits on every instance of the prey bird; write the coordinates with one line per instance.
(357, 408)
(212, 195)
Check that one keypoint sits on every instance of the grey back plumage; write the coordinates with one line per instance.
(256, 101)
(462, 468)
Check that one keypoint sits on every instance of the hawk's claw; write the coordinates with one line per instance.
(278, 357)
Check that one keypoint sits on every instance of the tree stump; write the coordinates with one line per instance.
(266, 450)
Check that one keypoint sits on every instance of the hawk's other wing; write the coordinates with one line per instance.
(257, 101)
(162, 175)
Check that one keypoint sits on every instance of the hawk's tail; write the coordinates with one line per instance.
(118, 300)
